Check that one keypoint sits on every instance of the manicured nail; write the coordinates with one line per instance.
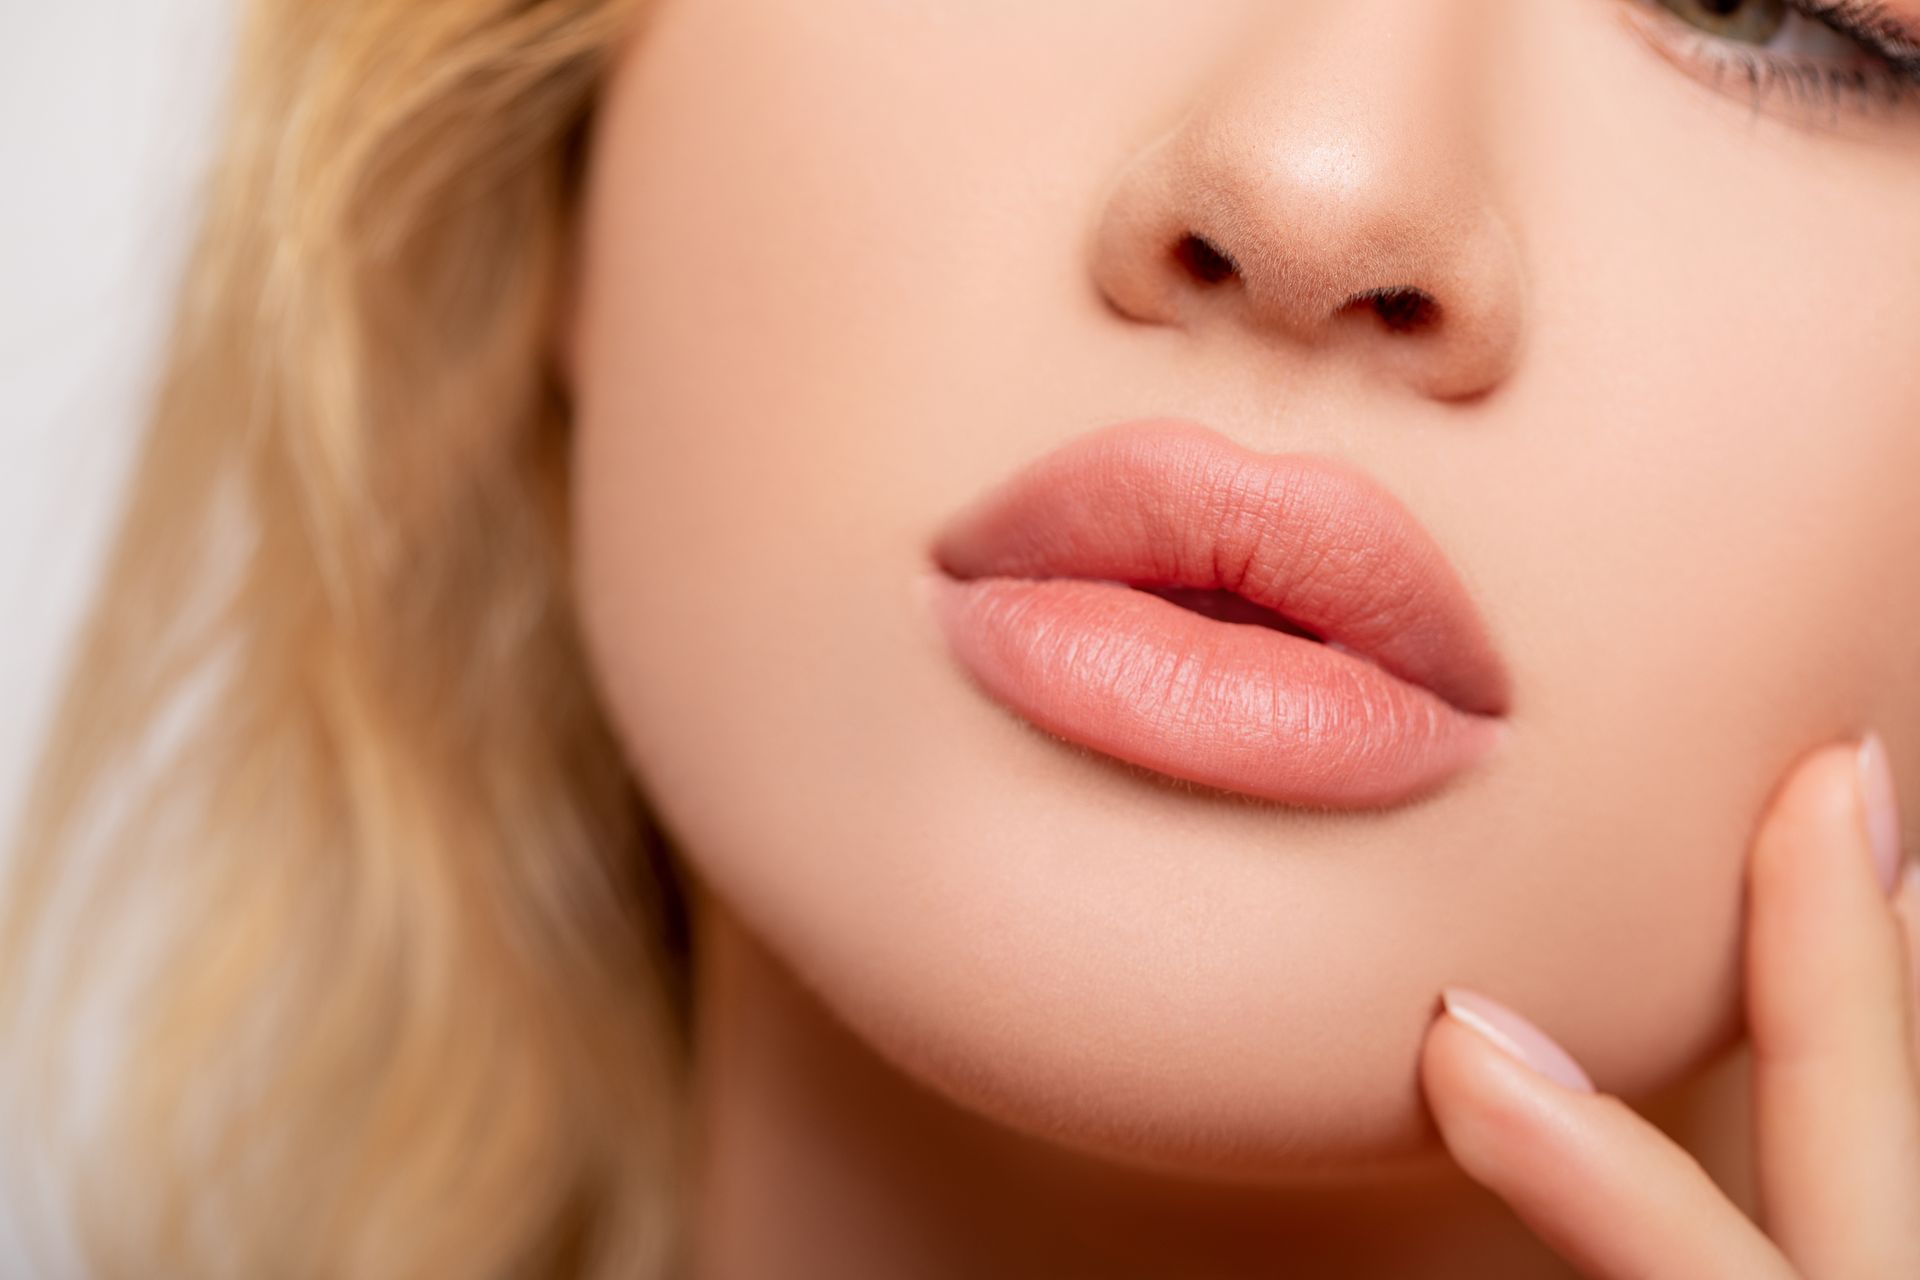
(1516, 1036)
(1877, 796)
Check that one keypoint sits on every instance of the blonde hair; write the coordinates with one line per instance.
(337, 941)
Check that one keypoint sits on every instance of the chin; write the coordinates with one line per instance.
(1125, 971)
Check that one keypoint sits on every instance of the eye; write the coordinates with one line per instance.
(1815, 53)
(1777, 26)
(1749, 21)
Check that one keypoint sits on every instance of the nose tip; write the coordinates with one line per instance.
(1366, 229)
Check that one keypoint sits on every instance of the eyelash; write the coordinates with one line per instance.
(1891, 75)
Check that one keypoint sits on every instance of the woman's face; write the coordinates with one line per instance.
(847, 267)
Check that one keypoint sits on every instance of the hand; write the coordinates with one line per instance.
(1836, 1075)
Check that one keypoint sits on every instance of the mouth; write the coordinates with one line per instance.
(1225, 606)
(1275, 625)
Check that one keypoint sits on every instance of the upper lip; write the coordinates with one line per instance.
(1312, 538)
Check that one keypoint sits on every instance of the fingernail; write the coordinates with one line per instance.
(1517, 1036)
(1877, 797)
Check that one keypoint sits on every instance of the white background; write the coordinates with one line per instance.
(107, 113)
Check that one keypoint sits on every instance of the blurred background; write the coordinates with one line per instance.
(106, 116)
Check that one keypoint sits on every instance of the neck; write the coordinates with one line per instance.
(815, 1157)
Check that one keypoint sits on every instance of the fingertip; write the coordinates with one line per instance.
(1906, 908)
(1478, 1096)
(1496, 1102)
(1445, 1058)
(1817, 922)
(1829, 1011)
(1906, 901)
(1879, 800)
(1516, 1035)
(1820, 798)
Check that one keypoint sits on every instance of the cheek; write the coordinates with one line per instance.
(1711, 455)
(838, 292)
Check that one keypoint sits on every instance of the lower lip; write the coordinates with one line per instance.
(1233, 706)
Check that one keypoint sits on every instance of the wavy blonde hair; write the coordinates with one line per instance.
(336, 941)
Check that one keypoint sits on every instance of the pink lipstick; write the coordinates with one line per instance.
(1280, 626)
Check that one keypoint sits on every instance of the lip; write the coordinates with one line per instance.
(1036, 592)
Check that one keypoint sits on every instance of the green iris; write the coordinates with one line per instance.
(1750, 21)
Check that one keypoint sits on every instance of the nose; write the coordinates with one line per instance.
(1330, 191)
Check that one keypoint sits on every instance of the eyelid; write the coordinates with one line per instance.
(1819, 33)
(1870, 23)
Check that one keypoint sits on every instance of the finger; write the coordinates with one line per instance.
(1907, 907)
(1836, 1095)
(1593, 1179)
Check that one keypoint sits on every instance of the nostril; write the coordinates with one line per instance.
(1203, 261)
(1402, 309)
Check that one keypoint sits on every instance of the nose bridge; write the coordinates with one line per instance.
(1335, 141)
(1335, 162)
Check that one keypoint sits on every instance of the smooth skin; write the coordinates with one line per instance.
(845, 266)
(1830, 986)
